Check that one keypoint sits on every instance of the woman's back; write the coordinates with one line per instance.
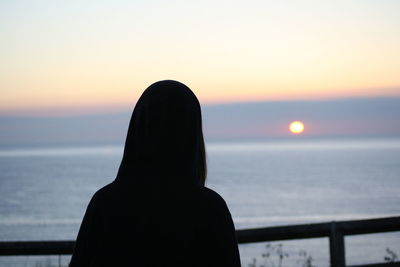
(157, 212)
(191, 228)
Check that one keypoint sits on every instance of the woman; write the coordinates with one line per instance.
(158, 212)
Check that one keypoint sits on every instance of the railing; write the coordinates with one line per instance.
(334, 230)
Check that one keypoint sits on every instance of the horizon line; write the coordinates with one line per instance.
(110, 109)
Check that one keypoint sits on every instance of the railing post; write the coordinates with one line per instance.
(336, 245)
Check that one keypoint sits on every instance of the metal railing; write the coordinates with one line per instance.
(335, 231)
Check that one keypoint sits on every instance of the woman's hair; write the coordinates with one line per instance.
(202, 167)
(165, 136)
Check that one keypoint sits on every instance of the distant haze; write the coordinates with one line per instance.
(329, 118)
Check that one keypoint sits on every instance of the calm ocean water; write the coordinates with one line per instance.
(44, 191)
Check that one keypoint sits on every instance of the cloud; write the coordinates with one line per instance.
(362, 116)
(341, 117)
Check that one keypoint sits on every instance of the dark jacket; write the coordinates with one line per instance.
(157, 212)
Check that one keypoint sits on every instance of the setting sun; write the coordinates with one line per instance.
(296, 127)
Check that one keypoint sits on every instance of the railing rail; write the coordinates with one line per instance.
(335, 231)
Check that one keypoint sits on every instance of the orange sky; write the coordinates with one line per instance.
(74, 55)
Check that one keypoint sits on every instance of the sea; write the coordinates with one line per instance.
(44, 192)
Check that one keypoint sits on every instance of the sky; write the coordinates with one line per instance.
(80, 57)
(370, 118)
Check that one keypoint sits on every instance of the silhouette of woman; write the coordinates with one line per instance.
(157, 212)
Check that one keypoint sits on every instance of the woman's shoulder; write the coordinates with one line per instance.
(213, 210)
(210, 194)
(103, 193)
(107, 189)
(212, 199)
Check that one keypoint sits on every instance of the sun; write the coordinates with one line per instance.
(296, 127)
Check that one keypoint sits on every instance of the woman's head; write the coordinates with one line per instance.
(165, 135)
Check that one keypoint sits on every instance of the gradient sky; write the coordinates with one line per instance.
(354, 118)
(58, 55)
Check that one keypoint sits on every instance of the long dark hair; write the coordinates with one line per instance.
(202, 166)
